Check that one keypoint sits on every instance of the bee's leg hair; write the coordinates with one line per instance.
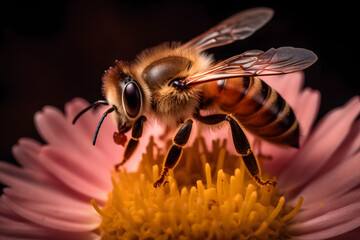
(134, 141)
(175, 151)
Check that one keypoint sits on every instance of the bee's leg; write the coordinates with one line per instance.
(134, 141)
(175, 151)
(241, 143)
(242, 147)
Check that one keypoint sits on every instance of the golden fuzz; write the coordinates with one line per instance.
(201, 61)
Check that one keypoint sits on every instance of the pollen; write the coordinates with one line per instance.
(208, 196)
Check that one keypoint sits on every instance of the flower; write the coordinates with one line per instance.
(49, 196)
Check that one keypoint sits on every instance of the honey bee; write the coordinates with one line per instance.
(173, 82)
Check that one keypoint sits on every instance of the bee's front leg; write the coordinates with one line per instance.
(134, 141)
(175, 151)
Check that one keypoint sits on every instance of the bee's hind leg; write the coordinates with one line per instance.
(241, 144)
(242, 147)
(134, 141)
(175, 151)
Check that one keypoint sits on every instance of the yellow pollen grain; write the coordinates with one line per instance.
(211, 203)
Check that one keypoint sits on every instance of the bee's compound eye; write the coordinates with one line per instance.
(132, 99)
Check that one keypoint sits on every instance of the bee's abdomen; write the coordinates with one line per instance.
(260, 109)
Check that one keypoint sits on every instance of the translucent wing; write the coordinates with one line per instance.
(236, 27)
(257, 63)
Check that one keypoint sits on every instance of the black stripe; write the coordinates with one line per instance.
(278, 107)
(287, 122)
(246, 84)
(264, 94)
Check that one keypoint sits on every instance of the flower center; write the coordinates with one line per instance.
(200, 200)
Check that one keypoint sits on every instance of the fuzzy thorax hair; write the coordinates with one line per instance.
(168, 104)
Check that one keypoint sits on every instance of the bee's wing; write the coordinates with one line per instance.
(236, 27)
(256, 63)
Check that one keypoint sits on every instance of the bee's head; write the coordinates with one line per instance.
(123, 94)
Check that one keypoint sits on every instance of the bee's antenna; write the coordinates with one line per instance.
(101, 121)
(95, 104)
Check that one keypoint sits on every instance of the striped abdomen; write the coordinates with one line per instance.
(258, 107)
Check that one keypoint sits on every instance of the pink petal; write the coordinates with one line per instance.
(24, 230)
(350, 235)
(56, 209)
(81, 164)
(333, 231)
(341, 179)
(306, 110)
(21, 179)
(28, 189)
(323, 142)
(13, 176)
(87, 121)
(60, 132)
(11, 229)
(52, 126)
(324, 226)
(71, 170)
(26, 152)
(39, 186)
(315, 209)
(346, 150)
(18, 230)
(58, 200)
(23, 210)
(5, 211)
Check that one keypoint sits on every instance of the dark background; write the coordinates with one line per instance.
(52, 51)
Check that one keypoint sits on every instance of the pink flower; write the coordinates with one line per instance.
(48, 197)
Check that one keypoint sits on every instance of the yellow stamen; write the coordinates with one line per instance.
(294, 211)
(195, 203)
(98, 210)
(221, 159)
(208, 175)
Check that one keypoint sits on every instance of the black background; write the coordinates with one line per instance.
(52, 51)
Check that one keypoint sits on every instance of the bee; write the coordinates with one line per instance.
(173, 82)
